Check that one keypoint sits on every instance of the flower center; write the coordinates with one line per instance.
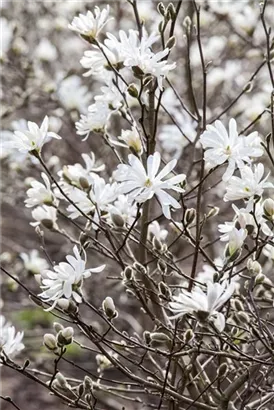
(227, 151)
(148, 183)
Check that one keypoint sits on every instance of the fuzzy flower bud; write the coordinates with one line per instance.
(65, 336)
(190, 216)
(188, 336)
(254, 267)
(164, 290)
(117, 220)
(159, 337)
(133, 91)
(109, 308)
(147, 337)
(140, 268)
(50, 341)
(222, 370)
(268, 207)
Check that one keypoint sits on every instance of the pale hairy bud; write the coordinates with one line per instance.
(190, 216)
(243, 317)
(65, 336)
(63, 304)
(157, 244)
(80, 390)
(161, 9)
(171, 42)
(268, 207)
(147, 337)
(61, 381)
(137, 71)
(67, 305)
(171, 10)
(187, 23)
(128, 273)
(133, 91)
(84, 183)
(50, 341)
(109, 308)
(159, 337)
(47, 223)
(57, 327)
(164, 290)
(140, 268)
(188, 335)
(248, 87)
(253, 267)
(88, 384)
(260, 278)
(222, 370)
(238, 305)
(213, 212)
(161, 265)
(117, 220)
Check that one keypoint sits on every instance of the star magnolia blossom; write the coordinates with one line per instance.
(95, 120)
(268, 251)
(40, 194)
(142, 185)
(65, 280)
(235, 241)
(91, 24)
(33, 139)
(204, 304)
(10, 341)
(250, 184)
(33, 263)
(155, 230)
(47, 215)
(222, 146)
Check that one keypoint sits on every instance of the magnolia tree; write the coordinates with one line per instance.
(161, 273)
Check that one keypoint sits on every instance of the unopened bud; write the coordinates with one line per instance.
(254, 267)
(117, 220)
(188, 336)
(68, 305)
(65, 336)
(171, 42)
(47, 223)
(159, 337)
(164, 290)
(109, 308)
(213, 212)
(61, 381)
(147, 337)
(50, 341)
(161, 265)
(268, 207)
(190, 215)
(171, 10)
(248, 87)
(140, 268)
(57, 327)
(80, 390)
(128, 273)
(84, 183)
(187, 23)
(157, 244)
(88, 384)
(238, 305)
(244, 318)
(138, 73)
(260, 278)
(222, 370)
(133, 91)
(161, 9)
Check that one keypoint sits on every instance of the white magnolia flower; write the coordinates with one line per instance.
(91, 24)
(10, 341)
(205, 305)
(73, 94)
(235, 241)
(46, 51)
(132, 140)
(47, 215)
(33, 139)
(155, 230)
(124, 208)
(95, 120)
(222, 146)
(96, 61)
(39, 193)
(250, 184)
(97, 200)
(112, 94)
(142, 185)
(65, 280)
(245, 220)
(74, 173)
(33, 263)
(268, 251)
(6, 36)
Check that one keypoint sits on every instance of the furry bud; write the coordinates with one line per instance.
(109, 308)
